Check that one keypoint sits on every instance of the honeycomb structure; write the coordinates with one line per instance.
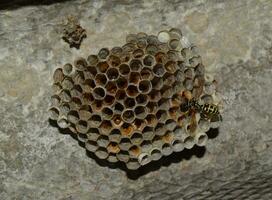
(126, 104)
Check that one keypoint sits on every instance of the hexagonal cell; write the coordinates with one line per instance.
(93, 134)
(101, 153)
(148, 133)
(174, 44)
(68, 69)
(58, 76)
(146, 146)
(99, 93)
(141, 43)
(102, 66)
(75, 103)
(107, 113)
(152, 39)
(111, 87)
(144, 159)
(161, 57)
(145, 86)
(64, 108)
(128, 115)
(67, 83)
(125, 144)
(136, 138)
(152, 107)
(175, 31)
(151, 49)
(115, 135)
(155, 154)
(169, 79)
(138, 53)
(204, 125)
(188, 84)
(55, 100)
(65, 95)
(78, 77)
(103, 53)
(63, 123)
(114, 61)
(118, 108)
(95, 121)
(134, 151)
(166, 149)
(135, 65)
(149, 61)
(97, 105)
(177, 145)
(120, 95)
(201, 139)
(129, 47)
(112, 74)
(112, 158)
(88, 85)
(151, 120)
(116, 121)
(157, 83)
(154, 95)
(146, 73)
(173, 55)
(92, 70)
(127, 129)
(80, 64)
(82, 137)
(56, 88)
(92, 60)
(171, 67)
(158, 70)
(123, 156)
(53, 113)
(124, 69)
(103, 141)
(85, 112)
(129, 102)
(76, 91)
(164, 36)
(140, 112)
(91, 146)
(87, 98)
(122, 82)
(164, 104)
(132, 91)
(113, 147)
(160, 129)
(105, 127)
(162, 116)
(100, 79)
(142, 99)
(170, 124)
(134, 77)
(109, 100)
(188, 142)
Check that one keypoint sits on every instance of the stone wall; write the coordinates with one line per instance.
(37, 161)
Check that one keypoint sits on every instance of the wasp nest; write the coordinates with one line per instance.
(128, 104)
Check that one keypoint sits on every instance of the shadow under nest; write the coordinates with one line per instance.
(175, 157)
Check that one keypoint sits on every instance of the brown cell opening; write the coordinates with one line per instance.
(168, 137)
(122, 82)
(97, 105)
(92, 70)
(138, 53)
(117, 120)
(128, 116)
(58, 75)
(118, 107)
(132, 91)
(95, 119)
(80, 63)
(140, 111)
(139, 123)
(151, 119)
(99, 93)
(134, 77)
(154, 95)
(100, 79)
(109, 100)
(113, 147)
(82, 126)
(151, 49)
(146, 73)
(102, 66)
(127, 129)
(171, 67)
(67, 69)
(124, 69)
(111, 87)
(73, 116)
(107, 113)
(135, 65)
(106, 125)
(134, 150)
(112, 74)
(145, 86)
(158, 70)
(120, 95)
(136, 137)
(141, 99)
(89, 84)
(160, 57)
(114, 61)
(129, 102)
(152, 107)
(148, 61)
(161, 115)
(116, 51)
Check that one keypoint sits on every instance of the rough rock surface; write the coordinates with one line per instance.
(39, 162)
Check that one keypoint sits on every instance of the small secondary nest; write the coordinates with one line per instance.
(126, 104)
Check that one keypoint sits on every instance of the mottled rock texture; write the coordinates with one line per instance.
(39, 162)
